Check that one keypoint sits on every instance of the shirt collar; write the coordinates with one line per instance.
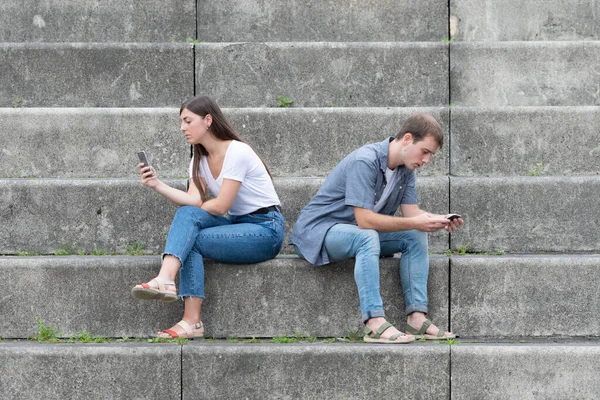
(383, 148)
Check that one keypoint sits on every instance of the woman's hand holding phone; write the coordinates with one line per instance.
(147, 173)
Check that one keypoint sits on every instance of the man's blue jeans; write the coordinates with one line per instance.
(196, 234)
(344, 241)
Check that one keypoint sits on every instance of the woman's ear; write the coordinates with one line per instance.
(208, 119)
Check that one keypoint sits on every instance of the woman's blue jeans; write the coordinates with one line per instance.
(344, 241)
(195, 234)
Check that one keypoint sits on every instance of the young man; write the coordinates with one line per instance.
(352, 216)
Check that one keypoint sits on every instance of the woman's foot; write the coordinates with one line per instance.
(423, 328)
(158, 288)
(378, 330)
(183, 330)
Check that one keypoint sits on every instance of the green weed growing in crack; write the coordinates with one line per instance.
(461, 250)
(284, 102)
(45, 333)
(135, 249)
(538, 170)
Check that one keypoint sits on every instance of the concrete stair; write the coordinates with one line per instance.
(516, 90)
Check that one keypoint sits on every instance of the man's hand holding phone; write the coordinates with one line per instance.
(455, 222)
(147, 173)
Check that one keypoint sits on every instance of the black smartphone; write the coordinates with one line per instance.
(143, 158)
(452, 216)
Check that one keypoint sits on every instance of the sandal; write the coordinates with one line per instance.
(375, 337)
(155, 291)
(188, 331)
(420, 334)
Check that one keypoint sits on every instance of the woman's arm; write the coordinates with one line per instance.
(223, 202)
(179, 197)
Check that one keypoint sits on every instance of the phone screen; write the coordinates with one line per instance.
(143, 158)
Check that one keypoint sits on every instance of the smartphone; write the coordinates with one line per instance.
(452, 216)
(143, 158)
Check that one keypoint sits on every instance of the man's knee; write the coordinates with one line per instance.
(418, 240)
(367, 240)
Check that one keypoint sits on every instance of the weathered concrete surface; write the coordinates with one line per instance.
(322, 74)
(95, 75)
(311, 141)
(476, 20)
(110, 214)
(332, 371)
(103, 371)
(90, 142)
(524, 74)
(288, 295)
(283, 296)
(549, 371)
(103, 142)
(82, 293)
(513, 140)
(322, 21)
(512, 296)
(41, 216)
(527, 214)
(97, 21)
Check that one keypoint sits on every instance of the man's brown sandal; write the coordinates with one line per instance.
(420, 333)
(375, 337)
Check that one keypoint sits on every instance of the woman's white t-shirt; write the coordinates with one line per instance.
(242, 164)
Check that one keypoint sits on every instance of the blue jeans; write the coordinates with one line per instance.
(196, 234)
(344, 241)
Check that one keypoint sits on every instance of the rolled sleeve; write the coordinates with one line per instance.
(410, 193)
(360, 184)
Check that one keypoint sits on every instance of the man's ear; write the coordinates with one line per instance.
(407, 138)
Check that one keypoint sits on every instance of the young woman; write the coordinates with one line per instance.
(224, 164)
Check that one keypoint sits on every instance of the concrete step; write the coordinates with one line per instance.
(106, 371)
(318, 370)
(538, 296)
(524, 73)
(102, 142)
(525, 371)
(90, 142)
(96, 74)
(321, 74)
(473, 20)
(281, 297)
(111, 214)
(94, 21)
(251, 371)
(318, 21)
(525, 141)
(528, 295)
(527, 214)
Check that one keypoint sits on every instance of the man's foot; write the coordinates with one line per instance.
(183, 330)
(423, 328)
(378, 330)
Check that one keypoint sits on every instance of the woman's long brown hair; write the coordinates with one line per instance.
(220, 129)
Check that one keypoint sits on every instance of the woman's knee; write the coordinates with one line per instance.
(189, 212)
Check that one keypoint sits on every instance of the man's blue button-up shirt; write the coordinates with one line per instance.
(357, 181)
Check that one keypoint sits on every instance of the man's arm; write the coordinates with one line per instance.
(412, 210)
(418, 219)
